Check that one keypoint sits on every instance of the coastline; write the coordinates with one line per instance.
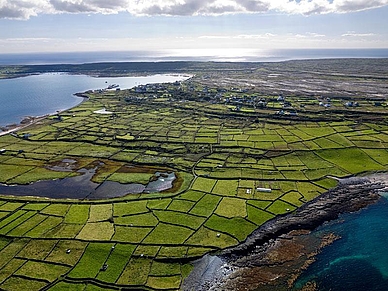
(27, 121)
(275, 254)
(31, 120)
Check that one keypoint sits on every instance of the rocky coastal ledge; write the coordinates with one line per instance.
(276, 253)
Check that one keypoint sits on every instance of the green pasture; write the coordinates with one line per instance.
(235, 171)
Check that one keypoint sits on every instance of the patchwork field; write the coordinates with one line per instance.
(235, 170)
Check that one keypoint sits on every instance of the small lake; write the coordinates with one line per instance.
(358, 261)
(82, 187)
(39, 95)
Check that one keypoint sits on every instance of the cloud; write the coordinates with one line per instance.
(309, 35)
(24, 9)
(214, 37)
(255, 36)
(353, 34)
(89, 6)
(185, 7)
(358, 5)
(168, 7)
(240, 36)
(313, 34)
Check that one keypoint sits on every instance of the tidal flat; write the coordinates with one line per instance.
(249, 143)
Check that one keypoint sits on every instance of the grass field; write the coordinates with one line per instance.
(235, 170)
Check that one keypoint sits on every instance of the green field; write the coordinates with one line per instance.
(234, 170)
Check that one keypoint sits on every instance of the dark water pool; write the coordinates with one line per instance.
(82, 187)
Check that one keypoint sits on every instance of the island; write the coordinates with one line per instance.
(183, 185)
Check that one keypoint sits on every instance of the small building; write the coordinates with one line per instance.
(26, 135)
(266, 190)
(352, 104)
(58, 117)
(238, 108)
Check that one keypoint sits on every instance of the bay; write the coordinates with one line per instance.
(358, 261)
(43, 94)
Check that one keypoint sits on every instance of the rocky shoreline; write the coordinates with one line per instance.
(276, 253)
(27, 121)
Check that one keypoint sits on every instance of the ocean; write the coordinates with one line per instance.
(227, 54)
(43, 94)
(358, 261)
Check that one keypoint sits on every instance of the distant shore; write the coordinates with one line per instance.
(245, 55)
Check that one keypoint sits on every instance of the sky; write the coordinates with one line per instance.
(190, 27)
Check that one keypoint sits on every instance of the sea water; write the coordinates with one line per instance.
(358, 261)
(225, 54)
(43, 94)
